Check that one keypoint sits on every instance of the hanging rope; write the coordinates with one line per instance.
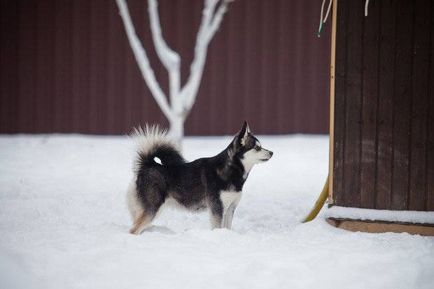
(319, 202)
(366, 7)
(322, 19)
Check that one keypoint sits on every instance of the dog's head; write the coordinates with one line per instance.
(248, 149)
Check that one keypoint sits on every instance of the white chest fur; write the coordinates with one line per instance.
(229, 197)
(230, 200)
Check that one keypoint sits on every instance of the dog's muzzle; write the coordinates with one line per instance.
(269, 155)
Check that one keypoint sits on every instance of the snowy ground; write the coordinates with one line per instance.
(64, 224)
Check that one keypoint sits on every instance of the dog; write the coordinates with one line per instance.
(162, 176)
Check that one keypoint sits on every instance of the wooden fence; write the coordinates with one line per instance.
(66, 66)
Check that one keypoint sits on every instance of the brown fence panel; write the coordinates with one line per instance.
(66, 66)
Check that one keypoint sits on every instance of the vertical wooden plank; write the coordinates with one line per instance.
(121, 98)
(306, 79)
(9, 74)
(63, 56)
(429, 154)
(200, 109)
(297, 72)
(80, 65)
(419, 112)
(253, 68)
(402, 104)
(199, 121)
(44, 88)
(98, 67)
(27, 65)
(130, 96)
(285, 52)
(340, 105)
(319, 70)
(146, 109)
(235, 84)
(353, 105)
(270, 32)
(115, 72)
(218, 53)
(385, 104)
(368, 162)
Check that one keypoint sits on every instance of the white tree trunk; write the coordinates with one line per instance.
(176, 131)
(181, 98)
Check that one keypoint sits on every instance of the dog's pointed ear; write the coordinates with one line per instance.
(242, 134)
(247, 127)
(245, 130)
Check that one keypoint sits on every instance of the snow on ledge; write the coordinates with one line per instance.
(380, 215)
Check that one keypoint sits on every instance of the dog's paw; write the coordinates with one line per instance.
(134, 231)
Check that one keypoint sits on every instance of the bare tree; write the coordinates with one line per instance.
(181, 98)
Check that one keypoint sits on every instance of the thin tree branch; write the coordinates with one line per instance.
(210, 22)
(143, 61)
(170, 59)
(217, 19)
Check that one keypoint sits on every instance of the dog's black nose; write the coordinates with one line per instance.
(271, 154)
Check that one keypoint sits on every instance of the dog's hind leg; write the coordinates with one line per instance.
(141, 223)
(146, 200)
(134, 206)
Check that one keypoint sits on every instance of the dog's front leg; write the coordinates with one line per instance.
(216, 214)
(228, 216)
(230, 201)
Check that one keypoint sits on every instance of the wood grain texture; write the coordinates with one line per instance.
(419, 112)
(429, 191)
(368, 161)
(384, 105)
(402, 102)
(353, 105)
(9, 79)
(340, 102)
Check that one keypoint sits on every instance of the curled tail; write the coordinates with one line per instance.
(154, 143)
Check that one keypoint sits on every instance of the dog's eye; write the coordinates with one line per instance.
(257, 147)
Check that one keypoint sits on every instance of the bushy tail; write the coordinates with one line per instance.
(152, 142)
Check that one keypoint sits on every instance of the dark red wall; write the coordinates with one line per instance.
(66, 66)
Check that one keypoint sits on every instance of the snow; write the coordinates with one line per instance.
(380, 215)
(64, 224)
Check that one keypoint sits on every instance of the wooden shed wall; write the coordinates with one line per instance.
(384, 105)
(66, 66)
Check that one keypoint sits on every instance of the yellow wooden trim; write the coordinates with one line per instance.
(332, 99)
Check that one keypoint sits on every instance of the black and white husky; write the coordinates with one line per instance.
(161, 175)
